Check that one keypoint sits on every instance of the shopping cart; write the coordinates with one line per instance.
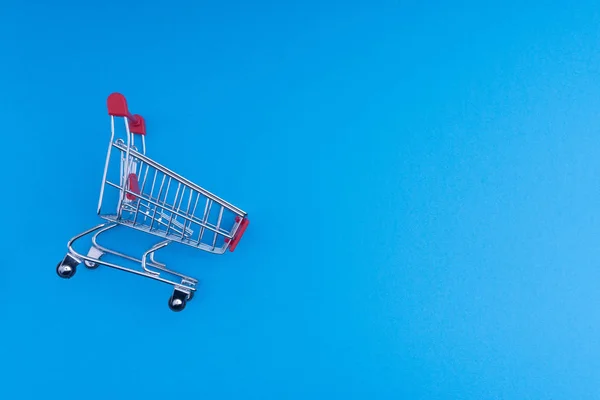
(144, 195)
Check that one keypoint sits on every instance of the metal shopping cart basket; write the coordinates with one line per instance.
(148, 197)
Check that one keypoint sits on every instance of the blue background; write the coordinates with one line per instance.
(421, 180)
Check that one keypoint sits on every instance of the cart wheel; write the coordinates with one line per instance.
(67, 267)
(176, 304)
(65, 271)
(95, 254)
(178, 300)
(191, 296)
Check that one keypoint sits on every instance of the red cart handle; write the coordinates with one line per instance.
(117, 107)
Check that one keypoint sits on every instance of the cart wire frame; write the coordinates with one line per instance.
(154, 199)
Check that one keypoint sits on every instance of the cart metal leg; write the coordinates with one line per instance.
(183, 288)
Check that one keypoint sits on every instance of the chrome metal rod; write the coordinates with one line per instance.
(112, 136)
(218, 225)
(158, 199)
(187, 213)
(207, 208)
(145, 177)
(152, 250)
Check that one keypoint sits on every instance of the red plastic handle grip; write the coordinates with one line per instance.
(239, 233)
(117, 107)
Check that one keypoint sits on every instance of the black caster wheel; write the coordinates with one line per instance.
(178, 300)
(191, 296)
(67, 267)
(95, 254)
(65, 270)
(176, 304)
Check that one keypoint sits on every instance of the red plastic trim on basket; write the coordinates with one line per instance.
(239, 233)
(134, 186)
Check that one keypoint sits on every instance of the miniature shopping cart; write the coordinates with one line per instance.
(141, 194)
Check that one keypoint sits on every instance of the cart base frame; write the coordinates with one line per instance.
(184, 286)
